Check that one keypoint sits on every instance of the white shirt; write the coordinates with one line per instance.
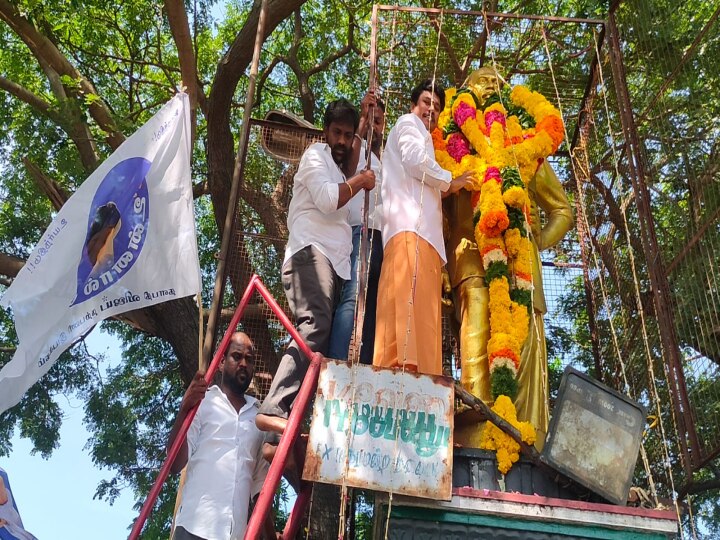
(9, 513)
(358, 201)
(225, 468)
(409, 170)
(313, 215)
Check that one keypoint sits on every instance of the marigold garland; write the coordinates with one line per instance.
(502, 144)
(507, 451)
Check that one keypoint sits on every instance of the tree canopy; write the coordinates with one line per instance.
(76, 78)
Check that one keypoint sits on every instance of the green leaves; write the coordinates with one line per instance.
(129, 56)
(92, 98)
(503, 383)
(70, 82)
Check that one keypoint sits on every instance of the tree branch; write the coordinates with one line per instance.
(10, 265)
(180, 29)
(45, 51)
(47, 185)
(698, 487)
(615, 212)
(267, 210)
(73, 126)
(346, 49)
(264, 76)
(307, 96)
(479, 44)
(446, 45)
(220, 146)
(25, 95)
(200, 189)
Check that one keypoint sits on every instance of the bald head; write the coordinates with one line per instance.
(484, 82)
(241, 338)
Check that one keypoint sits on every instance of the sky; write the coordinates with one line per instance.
(55, 496)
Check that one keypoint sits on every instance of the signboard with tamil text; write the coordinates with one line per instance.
(383, 430)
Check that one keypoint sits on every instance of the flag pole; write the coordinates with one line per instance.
(229, 226)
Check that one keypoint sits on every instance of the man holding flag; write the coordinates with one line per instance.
(124, 241)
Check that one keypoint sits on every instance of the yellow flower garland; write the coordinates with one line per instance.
(500, 146)
(493, 438)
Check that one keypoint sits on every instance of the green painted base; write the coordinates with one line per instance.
(415, 522)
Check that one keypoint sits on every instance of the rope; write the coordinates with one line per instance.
(646, 463)
(575, 165)
(581, 194)
(357, 342)
(357, 339)
(390, 64)
(606, 305)
(310, 507)
(643, 326)
(598, 268)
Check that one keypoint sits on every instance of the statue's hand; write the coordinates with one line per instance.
(447, 300)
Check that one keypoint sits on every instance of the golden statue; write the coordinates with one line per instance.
(471, 296)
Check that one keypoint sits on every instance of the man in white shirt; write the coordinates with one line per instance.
(317, 256)
(223, 450)
(344, 319)
(409, 300)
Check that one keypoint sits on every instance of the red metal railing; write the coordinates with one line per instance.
(272, 481)
(262, 507)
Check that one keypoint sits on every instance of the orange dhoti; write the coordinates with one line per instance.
(408, 328)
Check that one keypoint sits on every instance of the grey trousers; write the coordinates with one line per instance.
(313, 291)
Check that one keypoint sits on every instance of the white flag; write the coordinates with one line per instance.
(125, 240)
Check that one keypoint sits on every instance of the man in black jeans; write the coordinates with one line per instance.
(344, 320)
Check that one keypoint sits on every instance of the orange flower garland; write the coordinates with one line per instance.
(503, 145)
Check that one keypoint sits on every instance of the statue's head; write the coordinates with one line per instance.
(483, 82)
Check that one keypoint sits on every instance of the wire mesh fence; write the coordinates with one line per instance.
(676, 238)
(260, 234)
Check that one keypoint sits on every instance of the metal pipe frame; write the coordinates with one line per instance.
(638, 173)
(272, 480)
(490, 14)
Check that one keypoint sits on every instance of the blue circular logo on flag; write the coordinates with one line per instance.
(117, 228)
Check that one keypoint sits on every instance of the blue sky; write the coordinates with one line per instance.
(55, 496)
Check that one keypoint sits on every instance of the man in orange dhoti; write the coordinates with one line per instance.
(408, 328)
